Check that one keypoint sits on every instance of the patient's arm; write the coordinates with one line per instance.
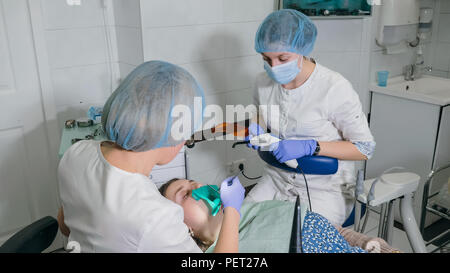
(62, 226)
(370, 244)
(229, 233)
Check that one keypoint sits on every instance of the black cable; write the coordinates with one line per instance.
(251, 178)
(307, 188)
(310, 207)
(299, 222)
(300, 234)
(241, 167)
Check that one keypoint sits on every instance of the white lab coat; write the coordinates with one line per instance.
(324, 108)
(111, 210)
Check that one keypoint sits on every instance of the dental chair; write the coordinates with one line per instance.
(384, 191)
(34, 238)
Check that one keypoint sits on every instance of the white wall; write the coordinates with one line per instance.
(395, 63)
(343, 46)
(83, 70)
(440, 54)
(128, 29)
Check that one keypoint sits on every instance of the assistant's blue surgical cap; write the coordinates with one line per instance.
(137, 116)
(286, 30)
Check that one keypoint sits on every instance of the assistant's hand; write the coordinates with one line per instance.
(232, 193)
(293, 149)
(253, 130)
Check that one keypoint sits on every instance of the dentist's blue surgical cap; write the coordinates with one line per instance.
(137, 116)
(286, 30)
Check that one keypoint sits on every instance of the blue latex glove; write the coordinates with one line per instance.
(293, 149)
(232, 193)
(254, 130)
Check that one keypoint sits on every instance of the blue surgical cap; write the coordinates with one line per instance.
(286, 30)
(137, 116)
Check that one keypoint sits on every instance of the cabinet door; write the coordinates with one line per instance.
(405, 132)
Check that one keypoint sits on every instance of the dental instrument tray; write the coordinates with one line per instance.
(72, 135)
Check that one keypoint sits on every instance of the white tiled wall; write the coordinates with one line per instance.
(83, 71)
(128, 29)
(436, 50)
(341, 46)
(59, 15)
(440, 55)
(393, 63)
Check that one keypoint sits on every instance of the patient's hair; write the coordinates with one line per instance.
(166, 185)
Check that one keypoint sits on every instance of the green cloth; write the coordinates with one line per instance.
(265, 227)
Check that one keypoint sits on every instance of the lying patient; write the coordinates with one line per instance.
(266, 226)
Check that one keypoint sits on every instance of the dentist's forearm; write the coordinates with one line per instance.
(344, 150)
(228, 241)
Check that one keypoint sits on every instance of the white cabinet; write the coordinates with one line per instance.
(410, 134)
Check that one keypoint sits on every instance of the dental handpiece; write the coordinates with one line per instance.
(267, 139)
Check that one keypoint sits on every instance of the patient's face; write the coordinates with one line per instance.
(196, 213)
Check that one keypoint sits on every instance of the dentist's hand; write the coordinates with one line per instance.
(293, 149)
(232, 193)
(253, 130)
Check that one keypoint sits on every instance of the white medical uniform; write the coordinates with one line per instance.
(324, 108)
(111, 210)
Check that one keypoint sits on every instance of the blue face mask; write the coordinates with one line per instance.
(283, 73)
(210, 194)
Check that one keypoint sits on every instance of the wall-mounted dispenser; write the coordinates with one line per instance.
(397, 26)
